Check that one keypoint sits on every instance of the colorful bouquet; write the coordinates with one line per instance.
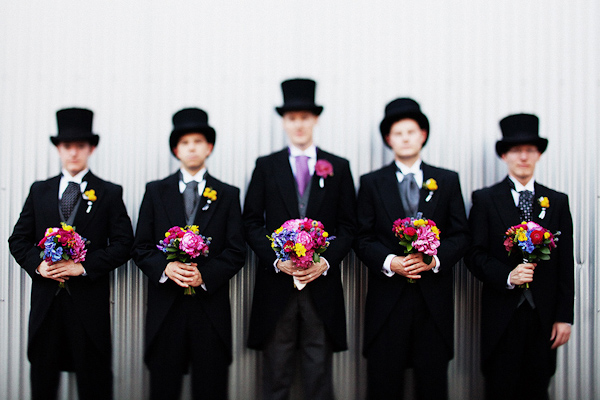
(418, 235)
(62, 244)
(533, 240)
(302, 241)
(184, 244)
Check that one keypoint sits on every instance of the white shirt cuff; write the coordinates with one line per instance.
(509, 285)
(387, 266)
(326, 262)
(84, 272)
(163, 278)
(436, 269)
(275, 265)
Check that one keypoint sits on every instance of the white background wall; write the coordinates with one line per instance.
(469, 63)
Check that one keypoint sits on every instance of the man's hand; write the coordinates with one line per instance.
(60, 271)
(286, 267)
(561, 332)
(182, 274)
(310, 274)
(522, 274)
(411, 265)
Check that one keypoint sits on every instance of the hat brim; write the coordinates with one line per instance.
(317, 110)
(208, 132)
(91, 139)
(386, 124)
(503, 146)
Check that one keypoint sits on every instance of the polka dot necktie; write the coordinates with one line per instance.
(526, 204)
(69, 198)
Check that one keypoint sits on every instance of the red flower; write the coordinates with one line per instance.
(410, 231)
(537, 237)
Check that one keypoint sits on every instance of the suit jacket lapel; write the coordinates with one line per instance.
(82, 218)
(387, 186)
(282, 173)
(505, 203)
(317, 193)
(172, 201)
(50, 202)
(203, 216)
(540, 191)
(428, 207)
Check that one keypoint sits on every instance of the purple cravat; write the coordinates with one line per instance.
(302, 174)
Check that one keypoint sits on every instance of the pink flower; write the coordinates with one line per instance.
(410, 231)
(192, 244)
(323, 168)
(427, 242)
(305, 239)
(508, 244)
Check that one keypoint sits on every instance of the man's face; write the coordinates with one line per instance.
(406, 138)
(193, 150)
(74, 155)
(299, 127)
(521, 161)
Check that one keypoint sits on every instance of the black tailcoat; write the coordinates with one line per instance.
(270, 201)
(108, 229)
(161, 209)
(492, 213)
(379, 205)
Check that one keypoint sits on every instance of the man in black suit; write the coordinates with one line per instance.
(183, 329)
(69, 329)
(521, 328)
(285, 185)
(409, 324)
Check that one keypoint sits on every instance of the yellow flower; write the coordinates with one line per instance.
(167, 234)
(210, 193)
(90, 195)
(300, 249)
(522, 237)
(193, 228)
(325, 234)
(546, 235)
(419, 222)
(66, 227)
(435, 230)
(279, 230)
(544, 202)
(431, 184)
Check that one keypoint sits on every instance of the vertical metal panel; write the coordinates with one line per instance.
(135, 63)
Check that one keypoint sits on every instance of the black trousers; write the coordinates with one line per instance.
(61, 344)
(409, 338)
(186, 338)
(523, 363)
(298, 331)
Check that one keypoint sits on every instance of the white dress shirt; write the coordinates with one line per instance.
(401, 172)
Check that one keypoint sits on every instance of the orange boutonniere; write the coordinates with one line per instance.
(544, 203)
(90, 196)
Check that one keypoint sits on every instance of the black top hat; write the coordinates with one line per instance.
(299, 95)
(399, 109)
(191, 120)
(74, 125)
(520, 129)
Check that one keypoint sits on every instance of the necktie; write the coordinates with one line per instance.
(302, 174)
(69, 199)
(526, 204)
(409, 193)
(190, 198)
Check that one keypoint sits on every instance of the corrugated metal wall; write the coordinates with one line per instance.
(469, 63)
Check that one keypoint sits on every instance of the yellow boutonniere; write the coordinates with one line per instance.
(211, 195)
(544, 203)
(431, 185)
(90, 196)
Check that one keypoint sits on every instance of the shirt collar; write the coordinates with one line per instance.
(77, 178)
(519, 187)
(310, 151)
(415, 169)
(186, 177)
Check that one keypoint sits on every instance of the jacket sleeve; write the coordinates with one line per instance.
(566, 264)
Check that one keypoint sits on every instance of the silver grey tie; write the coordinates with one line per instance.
(69, 199)
(190, 198)
(409, 193)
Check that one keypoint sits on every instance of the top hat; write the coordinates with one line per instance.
(191, 120)
(75, 125)
(299, 95)
(520, 129)
(399, 109)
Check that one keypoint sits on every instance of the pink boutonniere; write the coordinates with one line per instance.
(323, 169)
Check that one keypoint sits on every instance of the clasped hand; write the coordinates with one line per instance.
(183, 274)
(411, 266)
(61, 270)
(522, 274)
(303, 275)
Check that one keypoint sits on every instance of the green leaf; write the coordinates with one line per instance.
(544, 257)
(171, 249)
(42, 254)
(171, 256)
(316, 257)
(545, 250)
